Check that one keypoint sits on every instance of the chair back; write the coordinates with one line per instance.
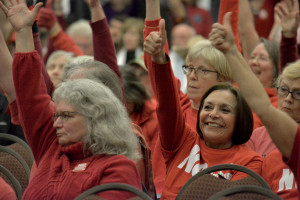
(245, 192)
(203, 185)
(12, 181)
(113, 186)
(21, 151)
(16, 165)
(5, 136)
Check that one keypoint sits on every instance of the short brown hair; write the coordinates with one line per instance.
(243, 121)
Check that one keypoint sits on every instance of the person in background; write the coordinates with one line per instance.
(180, 35)
(142, 73)
(283, 130)
(115, 26)
(56, 62)
(188, 11)
(132, 40)
(81, 33)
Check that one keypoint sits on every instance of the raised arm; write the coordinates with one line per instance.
(248, 35)
(30, 89)
(104, 49)
(6, 81)
(280, 126)
(288, 13)
(163, 82)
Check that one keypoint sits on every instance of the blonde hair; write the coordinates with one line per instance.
(291, 71)
(204, 50)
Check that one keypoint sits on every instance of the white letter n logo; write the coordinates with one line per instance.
(191, 159)
(287, 180)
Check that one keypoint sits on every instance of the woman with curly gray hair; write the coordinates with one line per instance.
(88, 141)
(107, 127)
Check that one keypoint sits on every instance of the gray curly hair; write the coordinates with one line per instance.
(109, 129)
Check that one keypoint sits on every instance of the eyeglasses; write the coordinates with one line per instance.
(200, 72)
(260, 59)
(284, 92)
(64, 115)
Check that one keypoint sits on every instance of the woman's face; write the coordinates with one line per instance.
(197, 85)
(288, 104)
(261, 65)
(217, 119)
(70, 125)
(55, 69)
(131, 38)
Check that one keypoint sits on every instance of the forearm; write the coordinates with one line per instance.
(24, 40)
(152, 9)
(248, 35)
(6, 81)
(97, 13)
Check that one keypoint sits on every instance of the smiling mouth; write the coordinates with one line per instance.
(285, 109)
(214, 125)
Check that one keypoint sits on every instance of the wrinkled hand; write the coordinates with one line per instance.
(18, 14)
(154, 43)
(46, 18)
(221, 36)
(289, 16)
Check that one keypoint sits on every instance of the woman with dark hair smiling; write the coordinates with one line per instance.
(224, 123)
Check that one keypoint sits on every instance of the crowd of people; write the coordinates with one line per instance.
(151, 98)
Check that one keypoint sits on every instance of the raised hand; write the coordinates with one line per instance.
(289, 16)
(221, 36)
(18, 13)
(154, 43)
(93, 3)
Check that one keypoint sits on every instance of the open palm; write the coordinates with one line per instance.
(19, 15)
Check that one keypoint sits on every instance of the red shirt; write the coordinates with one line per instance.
(279, 176)
(294, 161)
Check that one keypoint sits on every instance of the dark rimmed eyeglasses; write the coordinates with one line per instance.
(200, 72)
(284, 92)
(64, 115)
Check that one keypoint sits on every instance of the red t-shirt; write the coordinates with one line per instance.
(294, 161)
(260, 142)
(279, 176)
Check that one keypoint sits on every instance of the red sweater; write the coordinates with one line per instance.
(63, 173)
(279, 176)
